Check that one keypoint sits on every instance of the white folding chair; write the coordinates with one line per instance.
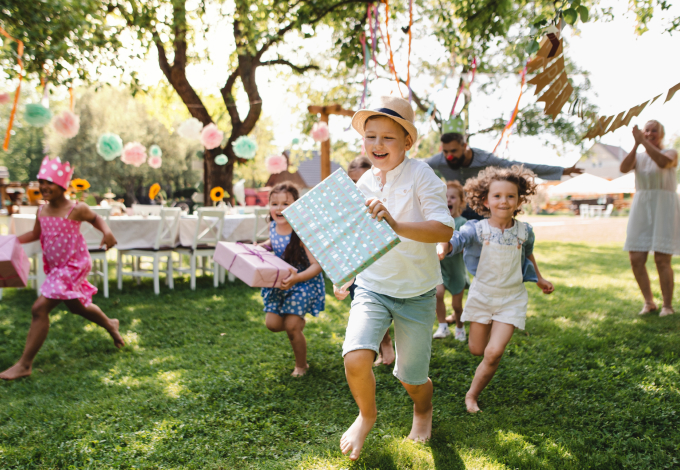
(208, 233)
(608, 211)
(28, 209)
(146, 209)
(260, 222)
(100, 263)
(166, 237)
(584, 210)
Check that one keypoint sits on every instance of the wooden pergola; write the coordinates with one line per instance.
(325, 112)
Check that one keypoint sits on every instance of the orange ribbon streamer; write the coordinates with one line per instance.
(508, 127)
(408, 66)
(389, 45)
(20, 53)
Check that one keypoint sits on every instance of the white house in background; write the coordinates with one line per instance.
(603, 160)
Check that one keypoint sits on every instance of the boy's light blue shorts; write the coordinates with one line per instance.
(370, 317)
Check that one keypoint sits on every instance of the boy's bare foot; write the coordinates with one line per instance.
(355, 436)
(422, 426)
(16, 372)
(299, 371)
(387, 352)
(648, 308)
(378, 359)
(115, 334)
(471, 404)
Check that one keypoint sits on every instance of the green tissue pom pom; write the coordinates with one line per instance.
(221, 159)
(296, 141)
(110, 146)
(155, 151)
(245, 147)
(37, 115)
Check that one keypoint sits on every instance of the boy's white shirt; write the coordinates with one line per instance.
(412, 193)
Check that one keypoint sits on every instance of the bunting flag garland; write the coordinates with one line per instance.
(20, 53)
(602, 123)
(553, 76)
(507, 130)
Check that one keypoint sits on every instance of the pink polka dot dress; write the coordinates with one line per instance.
(67, 261)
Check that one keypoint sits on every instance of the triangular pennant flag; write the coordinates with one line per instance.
(655, 98)
(556, 106)
(550, 95)
(548, 75)
(671, 92)
(634, 111)
(618, 122)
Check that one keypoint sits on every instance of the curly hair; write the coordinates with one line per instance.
(477, 189)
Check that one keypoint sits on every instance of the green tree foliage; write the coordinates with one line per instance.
(114, 110)
(644, 11)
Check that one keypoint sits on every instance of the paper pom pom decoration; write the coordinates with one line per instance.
(320, 132)
(245, 147)
(134, 154)
(211, 136)
(4, 97)
(217, 194)
(221, 159)
(190, 129)
(296, 141)
(80, 184)
(154, 190)
(109, 146)
(155, 162)
(37, 115)
(276, 164)
(67, 124)
(155, 151)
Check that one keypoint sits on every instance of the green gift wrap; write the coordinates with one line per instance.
(332, 222)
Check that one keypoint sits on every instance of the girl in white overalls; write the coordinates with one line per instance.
(499, 252)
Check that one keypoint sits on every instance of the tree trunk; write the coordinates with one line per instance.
(217, 175)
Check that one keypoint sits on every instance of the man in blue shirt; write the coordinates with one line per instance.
(459, 162)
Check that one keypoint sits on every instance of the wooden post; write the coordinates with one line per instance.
(325, 112)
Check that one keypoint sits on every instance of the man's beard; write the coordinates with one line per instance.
(456, 163)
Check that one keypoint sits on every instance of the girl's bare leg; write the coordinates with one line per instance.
(40, 326)
(489, 340)
(637, 262)
(95, 315)
(294, 324)
(663, 266)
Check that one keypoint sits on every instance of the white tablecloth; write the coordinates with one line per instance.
(140, 232)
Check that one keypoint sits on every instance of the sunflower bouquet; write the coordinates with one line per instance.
(80, 185)
(155, 192)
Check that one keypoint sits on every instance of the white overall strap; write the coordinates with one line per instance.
(486, 230)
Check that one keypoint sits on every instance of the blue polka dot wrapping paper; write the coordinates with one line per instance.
(332, 222)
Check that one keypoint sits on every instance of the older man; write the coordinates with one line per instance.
(459, 162)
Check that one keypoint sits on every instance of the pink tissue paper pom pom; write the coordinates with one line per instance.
(4, 97)
(155, 162)
(276, 164)
(211, 136)
(134, 153)
(67, 124)
(320, 132)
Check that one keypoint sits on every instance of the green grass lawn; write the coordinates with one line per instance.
(203, 384)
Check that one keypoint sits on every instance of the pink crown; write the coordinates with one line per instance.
(55, 171)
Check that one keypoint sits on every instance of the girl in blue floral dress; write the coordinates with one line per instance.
(303, 290)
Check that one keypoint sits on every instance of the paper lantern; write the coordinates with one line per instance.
(37, 115)
(276, 164)
(67, 124)
(320, 132)
(211, 136)
(4, 97)
(134, 154)
(109, 146)
(190, 129)
(155, 162)
(154, 190)
(221, 159)
(155, 151)
(245, 147)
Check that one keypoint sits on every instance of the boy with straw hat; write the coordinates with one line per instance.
(400, 286)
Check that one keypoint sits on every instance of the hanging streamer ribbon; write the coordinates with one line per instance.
(462, 83)
(389, 44)
(374, 38)
(508, 127)
(20, 53)
(410, 37)
(364, 49)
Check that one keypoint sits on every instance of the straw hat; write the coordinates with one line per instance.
(394, 108)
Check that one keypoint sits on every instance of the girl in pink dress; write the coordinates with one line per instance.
(67, 263)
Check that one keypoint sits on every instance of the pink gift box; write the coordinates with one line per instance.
(14, 264)
(252, 264)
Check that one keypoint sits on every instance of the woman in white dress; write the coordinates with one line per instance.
(654, 223)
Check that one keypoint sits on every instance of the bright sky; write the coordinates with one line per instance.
(625, 70)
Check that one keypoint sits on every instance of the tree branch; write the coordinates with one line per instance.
(297, 68)
(228, 98)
